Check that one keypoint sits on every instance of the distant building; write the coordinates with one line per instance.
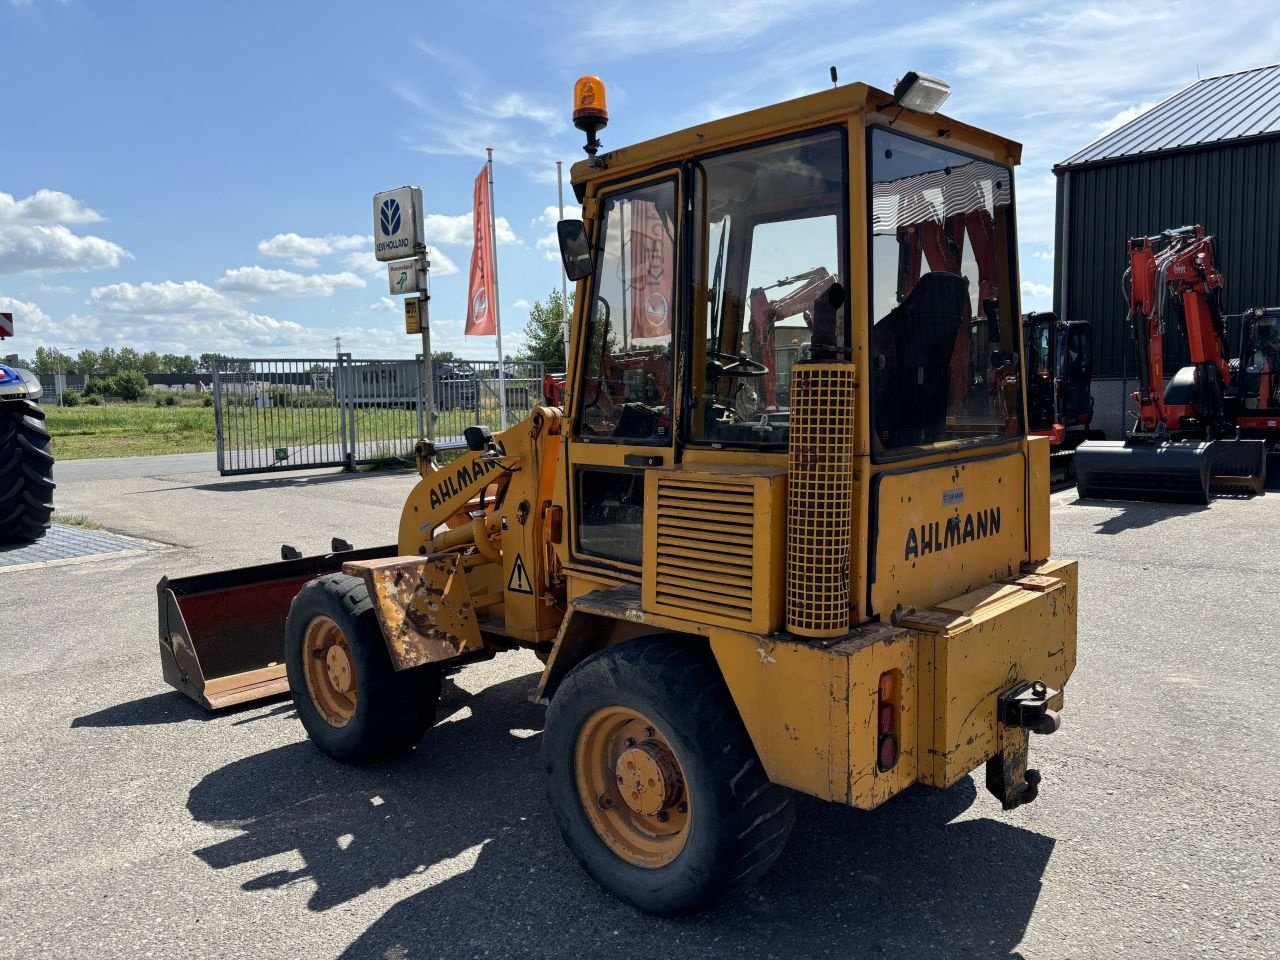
(1210, 154)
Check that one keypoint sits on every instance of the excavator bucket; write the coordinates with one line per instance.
(1170, 472)
(222, 634)
(1238, 467)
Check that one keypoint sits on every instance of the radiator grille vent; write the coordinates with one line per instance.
(705, 561)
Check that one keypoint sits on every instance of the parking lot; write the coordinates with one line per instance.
(137, 825)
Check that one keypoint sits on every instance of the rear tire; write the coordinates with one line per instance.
(26, 472)
(353, 703)
(660, 704)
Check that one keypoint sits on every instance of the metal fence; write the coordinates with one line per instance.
(292, 414)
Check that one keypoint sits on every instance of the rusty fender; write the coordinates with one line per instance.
(424, 608)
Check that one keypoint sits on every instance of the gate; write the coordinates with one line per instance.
(298, 414)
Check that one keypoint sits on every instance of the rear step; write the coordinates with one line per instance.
(222, 634)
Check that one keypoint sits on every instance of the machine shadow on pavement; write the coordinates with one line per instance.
(466, 813)
(285, 481)
(173, 707)
(1134, 515)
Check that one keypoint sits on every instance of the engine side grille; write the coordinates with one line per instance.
(710, 547)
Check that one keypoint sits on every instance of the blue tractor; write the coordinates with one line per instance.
(26, 465)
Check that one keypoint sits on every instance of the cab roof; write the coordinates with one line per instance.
(835, 105)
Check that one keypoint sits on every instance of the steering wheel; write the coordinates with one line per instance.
(727, 365)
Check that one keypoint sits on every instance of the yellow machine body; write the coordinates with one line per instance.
(831, 579)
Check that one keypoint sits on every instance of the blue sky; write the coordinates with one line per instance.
(192, 177)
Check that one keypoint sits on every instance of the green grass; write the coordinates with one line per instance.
(128, 430)
(143, 429)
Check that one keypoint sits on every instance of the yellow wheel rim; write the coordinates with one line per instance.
(632, 786)
(330, 671)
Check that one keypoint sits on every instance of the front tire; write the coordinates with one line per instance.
(653, 780)
(353, 703)
(26, 473)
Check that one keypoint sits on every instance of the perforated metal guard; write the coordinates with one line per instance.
(820, 499)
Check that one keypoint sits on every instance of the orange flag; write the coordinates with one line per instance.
(651, 272)
(480, 313)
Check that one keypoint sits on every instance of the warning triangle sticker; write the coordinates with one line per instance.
(519, 582)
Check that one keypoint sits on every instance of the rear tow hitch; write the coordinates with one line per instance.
(1021, 709)
(1027, 706)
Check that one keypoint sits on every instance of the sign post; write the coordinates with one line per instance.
(398, 240)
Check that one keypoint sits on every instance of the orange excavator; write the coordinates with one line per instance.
(1176, 452)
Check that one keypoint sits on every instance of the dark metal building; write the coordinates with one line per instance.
(1209, 154)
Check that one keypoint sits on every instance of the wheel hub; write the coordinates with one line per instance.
(649, 778)
(338, 664)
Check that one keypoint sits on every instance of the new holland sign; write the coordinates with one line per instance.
(397, 223)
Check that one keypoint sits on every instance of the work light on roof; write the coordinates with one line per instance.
(921, 92)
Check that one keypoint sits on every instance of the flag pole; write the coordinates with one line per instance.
(497, 316)
(564, 277)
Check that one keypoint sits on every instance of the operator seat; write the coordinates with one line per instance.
(914, 346)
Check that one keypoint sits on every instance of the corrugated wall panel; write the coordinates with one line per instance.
(1233, 190)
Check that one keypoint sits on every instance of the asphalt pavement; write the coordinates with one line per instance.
(134, 824)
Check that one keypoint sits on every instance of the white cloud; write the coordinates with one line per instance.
(708, 24)
(34, 235)
(47, 207)
(307, 251)
(518, 106)
(186, 317)
(1036, 296)
(385, 305)
(442, 228)
(550, 246)
(370, 266)
(28, 320)
(1124, 116)
(522, 304)
(43, 248)
(260, 282)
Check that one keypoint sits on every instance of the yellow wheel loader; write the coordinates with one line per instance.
(734, 599)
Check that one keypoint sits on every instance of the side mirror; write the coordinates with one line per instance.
(575, 251)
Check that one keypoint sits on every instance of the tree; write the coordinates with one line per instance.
(206, 361)
(108, 362)
(51, 360)
(443, 356)
(172, 363)
(151, 363)
(129, 359)
(87, 362)
(544, 332)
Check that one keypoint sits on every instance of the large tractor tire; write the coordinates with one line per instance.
(26, 472)
(653, 779)
(353, 703)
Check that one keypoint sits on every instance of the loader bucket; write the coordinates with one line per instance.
(1238, 466)
(222, 634)
(1169, 472)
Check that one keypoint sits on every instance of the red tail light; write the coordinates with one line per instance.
(887, 722)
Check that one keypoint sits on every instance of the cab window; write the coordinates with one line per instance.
(627, 368)
(772, 242)
(944, 314)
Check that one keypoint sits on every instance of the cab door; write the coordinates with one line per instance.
(624, 386)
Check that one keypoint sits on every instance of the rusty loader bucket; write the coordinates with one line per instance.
(222, 634)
